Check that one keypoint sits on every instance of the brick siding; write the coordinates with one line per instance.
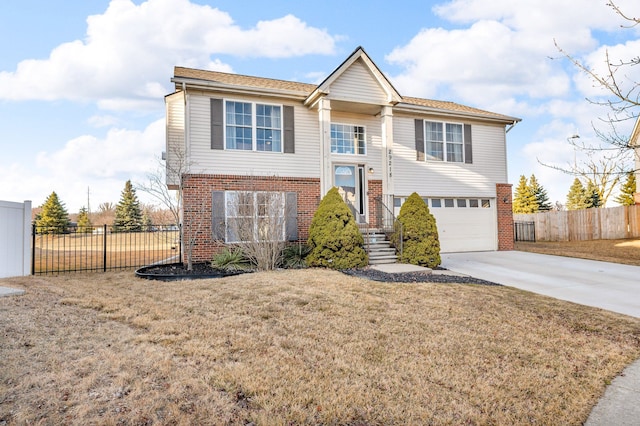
(197, 190)
(505, 216)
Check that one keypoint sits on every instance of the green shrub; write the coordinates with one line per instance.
(230, 260)
(334, 237)
(419, 234)
(294, 256)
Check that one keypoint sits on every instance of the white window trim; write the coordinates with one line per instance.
(427, 156)
(282, 214)
(355, 151)
(254, 126)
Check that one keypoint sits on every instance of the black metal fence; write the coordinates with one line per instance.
(524, 231)
(102, 248)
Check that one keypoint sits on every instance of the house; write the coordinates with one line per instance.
(229, 133)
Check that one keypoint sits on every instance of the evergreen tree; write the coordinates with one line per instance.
(128, 214)
(627, 190)
(593, 198)
(84, 223)
(577, 196)
(53, 219)
(524, 200)
(542, 199)
(334, 237)
(421, 245)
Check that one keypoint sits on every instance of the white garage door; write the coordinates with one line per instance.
(464, 224)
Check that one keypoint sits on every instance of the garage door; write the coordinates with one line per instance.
(464, 224)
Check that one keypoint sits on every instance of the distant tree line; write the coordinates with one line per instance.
(126, 216)
(531, 197)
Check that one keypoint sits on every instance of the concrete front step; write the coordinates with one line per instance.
(382, 261)
(383, 252)
(379, 248)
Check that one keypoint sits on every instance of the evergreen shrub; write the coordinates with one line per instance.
(334, 237)
(420, 242)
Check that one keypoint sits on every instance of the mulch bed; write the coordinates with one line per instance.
(205, 270)
(414, 277)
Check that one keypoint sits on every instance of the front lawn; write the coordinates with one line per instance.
(300, 347)
(625, 251)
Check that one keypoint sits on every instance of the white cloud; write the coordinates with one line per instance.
(101, 164)
(627, 76)
(130, 49)
(505, 51)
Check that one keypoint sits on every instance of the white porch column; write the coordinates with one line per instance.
(386, 118)
(324, 116)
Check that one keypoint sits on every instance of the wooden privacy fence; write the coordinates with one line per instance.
(588, 224)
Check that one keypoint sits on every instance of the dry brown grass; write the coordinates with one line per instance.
(300, 347)
(617, 251)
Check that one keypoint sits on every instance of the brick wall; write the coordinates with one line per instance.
(374, 189)
(197, 191)
(505, 216)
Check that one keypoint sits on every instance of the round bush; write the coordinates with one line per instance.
(334, 237)
(421, 245)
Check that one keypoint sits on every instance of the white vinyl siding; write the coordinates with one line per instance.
(357, 84)
(442, 178)
(304, 163)
(175, 143)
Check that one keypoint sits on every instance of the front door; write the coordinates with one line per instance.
(349, 179)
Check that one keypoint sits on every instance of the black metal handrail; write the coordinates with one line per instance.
(387, 222)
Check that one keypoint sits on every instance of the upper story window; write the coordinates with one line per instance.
(444, 141)
(347, 139)
(253, 127)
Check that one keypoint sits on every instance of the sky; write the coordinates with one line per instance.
(82, 83)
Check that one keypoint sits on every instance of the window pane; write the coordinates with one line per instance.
(473, 203)
(454, 133)
(346, 139)
(397, 202)
(239, 127)
(436, 202)
(454, 143)
(433, 131)
(448, 202)
(434, 140)
(454, 152)
(461, 202)
(486, 204)
(268, 128)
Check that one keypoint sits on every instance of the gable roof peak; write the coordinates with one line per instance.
(359, 53)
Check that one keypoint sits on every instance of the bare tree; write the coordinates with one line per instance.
(611, 158)
(165, 182)
(601, 170)
(623, 92)
(257, 223)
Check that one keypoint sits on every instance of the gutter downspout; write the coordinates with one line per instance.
(511, 126)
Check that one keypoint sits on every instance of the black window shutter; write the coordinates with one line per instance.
(217, 215)
(291, 212)
(289, 133)
(468, 150)
(419, 140)
(217, 124)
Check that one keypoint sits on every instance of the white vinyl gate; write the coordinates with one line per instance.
(15, 242)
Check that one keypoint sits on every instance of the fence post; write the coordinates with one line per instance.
(33, 248)
(180, 243)
(104, 248)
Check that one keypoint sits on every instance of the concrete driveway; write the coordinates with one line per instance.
(609, 286)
